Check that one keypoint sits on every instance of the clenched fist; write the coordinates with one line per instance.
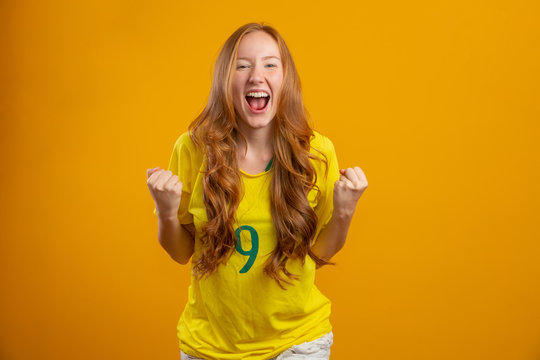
(166, 190)
(347, 191)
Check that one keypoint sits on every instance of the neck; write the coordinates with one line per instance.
(259, 142)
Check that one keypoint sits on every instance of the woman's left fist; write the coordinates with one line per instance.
(347, 190)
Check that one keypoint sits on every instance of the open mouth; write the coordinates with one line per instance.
(258, 101)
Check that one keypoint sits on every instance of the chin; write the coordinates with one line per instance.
(257, 122)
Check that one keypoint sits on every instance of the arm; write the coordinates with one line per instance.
(332, 238)
(176, 239)
(347, 191)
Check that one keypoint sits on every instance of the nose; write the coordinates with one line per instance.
(256, 75)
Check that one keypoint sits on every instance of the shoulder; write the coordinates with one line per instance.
(184, 141)
(321, 143)
(185, 161)
(184, 144)
(186, 153)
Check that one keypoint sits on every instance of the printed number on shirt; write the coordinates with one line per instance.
(252, 253)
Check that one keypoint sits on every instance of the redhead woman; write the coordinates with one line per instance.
(255, 198)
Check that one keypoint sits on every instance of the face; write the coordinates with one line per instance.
(257, 80)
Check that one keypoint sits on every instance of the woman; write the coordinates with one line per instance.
(256, 197)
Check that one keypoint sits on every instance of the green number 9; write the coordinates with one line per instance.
(252, 253)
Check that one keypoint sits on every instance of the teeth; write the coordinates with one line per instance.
(257, 94)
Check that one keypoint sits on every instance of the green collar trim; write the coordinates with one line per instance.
(269, 164)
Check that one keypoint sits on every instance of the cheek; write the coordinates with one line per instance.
(236, 96)
(276, 84)
(237, 89)
(277, 80)
(237, 102)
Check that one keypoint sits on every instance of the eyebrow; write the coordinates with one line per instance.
(264, 58)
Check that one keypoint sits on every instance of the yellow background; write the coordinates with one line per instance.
(437, 101)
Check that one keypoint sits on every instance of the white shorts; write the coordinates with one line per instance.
(318, 349)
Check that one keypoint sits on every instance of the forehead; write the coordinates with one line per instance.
(257, 44)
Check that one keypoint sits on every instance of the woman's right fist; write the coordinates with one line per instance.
(166, 190)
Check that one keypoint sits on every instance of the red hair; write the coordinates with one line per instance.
(215, 131)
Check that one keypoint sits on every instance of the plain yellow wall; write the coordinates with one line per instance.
(437, 101)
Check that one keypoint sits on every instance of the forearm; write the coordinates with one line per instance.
(347, 191)
(332, 238)
(175, 239)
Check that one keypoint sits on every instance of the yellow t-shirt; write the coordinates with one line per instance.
(239, 312)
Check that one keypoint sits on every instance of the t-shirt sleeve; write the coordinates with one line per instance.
(180, 164)
(325, 204)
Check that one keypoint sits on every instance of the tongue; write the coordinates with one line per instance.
(257, 103)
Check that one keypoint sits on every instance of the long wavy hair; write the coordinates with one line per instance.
(215, 130)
